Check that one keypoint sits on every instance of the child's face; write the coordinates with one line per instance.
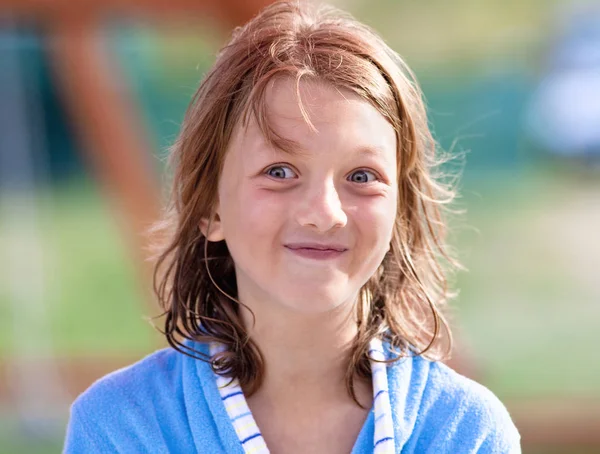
(338, 193)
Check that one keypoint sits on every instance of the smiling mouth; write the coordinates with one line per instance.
(316, 252)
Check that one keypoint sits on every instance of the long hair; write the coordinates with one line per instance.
(194, 279)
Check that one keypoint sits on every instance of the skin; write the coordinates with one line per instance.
(338, 187)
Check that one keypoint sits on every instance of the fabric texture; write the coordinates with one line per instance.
(237, 409)
(169, 403)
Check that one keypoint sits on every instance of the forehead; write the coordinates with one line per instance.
(292, 115)
(309, 100)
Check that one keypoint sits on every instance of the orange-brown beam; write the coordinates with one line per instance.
(228, 12)
(109, 128)
(99, 102)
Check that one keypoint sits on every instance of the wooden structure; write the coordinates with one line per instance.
(95, 94)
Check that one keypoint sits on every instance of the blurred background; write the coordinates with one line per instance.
(91, 96)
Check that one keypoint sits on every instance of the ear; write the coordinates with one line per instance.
(211, 227)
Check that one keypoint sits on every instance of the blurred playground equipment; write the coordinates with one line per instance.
(115, 144)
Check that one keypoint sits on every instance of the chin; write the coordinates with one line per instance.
(312, 309)
(319, 300)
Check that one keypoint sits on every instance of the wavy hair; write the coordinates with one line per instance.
(194, 279)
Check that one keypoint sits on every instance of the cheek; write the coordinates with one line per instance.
(375, 223)
(251, 216)
(375, 220)
(262, 209)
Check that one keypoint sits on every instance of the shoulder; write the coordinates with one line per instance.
(124, 404)
(474, 402)
(145, 378)
(450, 412)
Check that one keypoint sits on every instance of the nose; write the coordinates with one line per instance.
(321, 207)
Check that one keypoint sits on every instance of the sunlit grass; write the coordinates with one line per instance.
(529, 303)
(90, 290)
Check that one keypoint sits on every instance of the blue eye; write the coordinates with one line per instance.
(282, 172)
(363, 176)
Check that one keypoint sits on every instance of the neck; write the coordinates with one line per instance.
(305, 354)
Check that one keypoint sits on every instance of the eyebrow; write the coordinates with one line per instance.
(287, 146)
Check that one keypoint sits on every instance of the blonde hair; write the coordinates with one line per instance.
(195, 279)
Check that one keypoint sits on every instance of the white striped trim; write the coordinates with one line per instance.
(383, 442)
(249, 434)
(239, 413)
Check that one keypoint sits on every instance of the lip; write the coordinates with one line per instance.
(317, 246)
(316, 251)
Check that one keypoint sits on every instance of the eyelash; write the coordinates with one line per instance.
(375, 174)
